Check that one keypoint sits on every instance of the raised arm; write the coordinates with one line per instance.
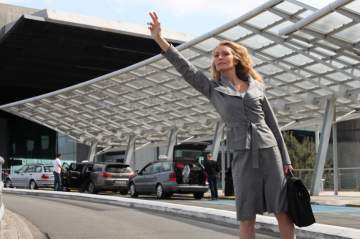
(190, 73)
(155, 31)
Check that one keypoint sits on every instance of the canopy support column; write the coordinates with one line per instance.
(172, 137)
(92, 151)
(323, 147)
(130, 150)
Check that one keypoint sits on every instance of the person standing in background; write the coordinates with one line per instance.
(212, 169)
(57, 173)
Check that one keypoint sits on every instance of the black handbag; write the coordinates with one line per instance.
(299, 207)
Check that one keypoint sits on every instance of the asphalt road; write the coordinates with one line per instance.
(61, 218)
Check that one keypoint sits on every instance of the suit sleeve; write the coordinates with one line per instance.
(271, 121)
(191, 74)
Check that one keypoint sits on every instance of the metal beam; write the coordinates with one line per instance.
(219, 132)
(172, 136)
(323, 147)
(317, 140)
(335, 154)
(314, 17)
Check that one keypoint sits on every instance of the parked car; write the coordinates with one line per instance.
(96, 177)
(164, 178)
(32, 176)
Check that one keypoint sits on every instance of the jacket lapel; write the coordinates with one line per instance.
(256, 89)
(227, 88)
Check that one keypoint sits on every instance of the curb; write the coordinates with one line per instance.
(352, 205)
(2, 211)
(336, 205)
(14, 226)
(222, 217)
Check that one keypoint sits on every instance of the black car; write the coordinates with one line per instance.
(184, 174)
(96, 177)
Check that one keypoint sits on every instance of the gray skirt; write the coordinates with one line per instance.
(259, 190)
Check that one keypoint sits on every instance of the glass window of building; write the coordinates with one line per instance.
(30, 145)
(45, 142)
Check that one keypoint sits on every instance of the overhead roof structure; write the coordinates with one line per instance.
(305, 56)
(44, 50)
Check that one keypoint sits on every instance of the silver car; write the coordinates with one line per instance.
(32, 176)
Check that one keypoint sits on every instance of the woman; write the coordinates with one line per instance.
(260, 154)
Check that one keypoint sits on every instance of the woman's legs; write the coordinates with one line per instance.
(247, 229)
(286, 226)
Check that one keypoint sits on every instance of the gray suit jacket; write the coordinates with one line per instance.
(250, 121)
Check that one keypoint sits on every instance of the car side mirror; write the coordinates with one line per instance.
(16, 172)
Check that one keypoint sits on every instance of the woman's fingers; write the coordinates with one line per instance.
(154, 17)
(288, 168)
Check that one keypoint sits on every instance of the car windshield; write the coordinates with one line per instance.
(118, 169)
(48, 169)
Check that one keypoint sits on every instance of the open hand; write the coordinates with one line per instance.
(154, 26)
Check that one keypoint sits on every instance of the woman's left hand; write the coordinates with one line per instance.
(288, 167)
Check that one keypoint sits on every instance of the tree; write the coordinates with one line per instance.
(302, 154)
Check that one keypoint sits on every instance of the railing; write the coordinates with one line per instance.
(349, 178)
(2, 207)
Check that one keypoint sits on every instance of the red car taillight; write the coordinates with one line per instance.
(106, 174)
(172, 177)
(44, 176)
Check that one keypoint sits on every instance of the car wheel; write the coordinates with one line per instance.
(32, 185)
(8, 183)
(124, 192)
(160, 192)
(198, 196)
(91, 188)
(133, 192)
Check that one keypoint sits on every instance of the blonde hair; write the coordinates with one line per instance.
(241, 54)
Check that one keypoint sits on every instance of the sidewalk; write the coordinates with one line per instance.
(14, 226)
(349, 199)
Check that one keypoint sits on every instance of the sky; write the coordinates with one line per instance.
(194, 17)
